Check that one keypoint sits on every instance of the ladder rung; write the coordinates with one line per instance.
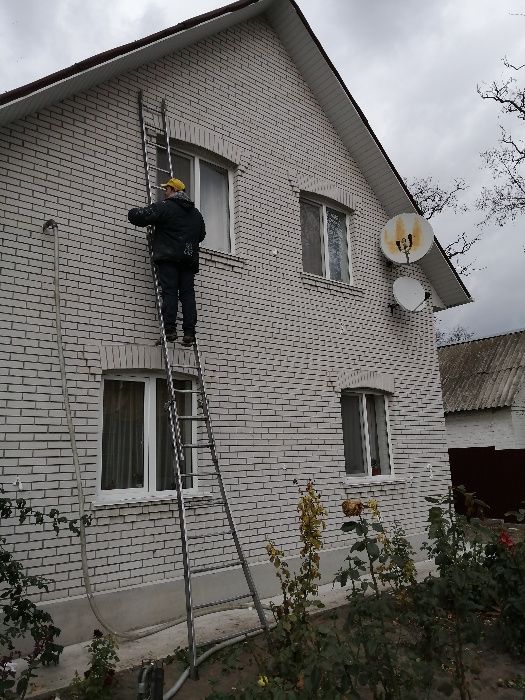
(215, 567)
(197, 444)
(222, 602)
(160, 170)
(183, 367)
(157, 145)
(145, 108)
(187, 391)
(192, 418)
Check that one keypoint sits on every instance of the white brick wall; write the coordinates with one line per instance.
(273, 342)
(503, 428)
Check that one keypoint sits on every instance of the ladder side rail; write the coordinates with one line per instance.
(144, 145)
(167, 135)
(178, 455)
(178, 462)
(229, 514)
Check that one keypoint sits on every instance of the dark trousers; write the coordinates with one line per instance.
(176, 283)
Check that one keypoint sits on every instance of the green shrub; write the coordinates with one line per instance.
(98, 681)
(21, 619)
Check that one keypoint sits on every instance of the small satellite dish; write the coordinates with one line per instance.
(406, 238)
(409, 294)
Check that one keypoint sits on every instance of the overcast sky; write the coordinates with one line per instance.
(412, 66)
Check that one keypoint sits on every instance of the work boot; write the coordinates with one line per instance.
(188, 339)
(171, 336)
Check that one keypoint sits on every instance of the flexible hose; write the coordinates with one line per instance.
(228, 643)
(51, 224)
(130, 636)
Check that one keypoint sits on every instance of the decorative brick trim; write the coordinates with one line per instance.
(318, 282)
(364, 379)
(323, 188)
(189, 132)
(104, 358)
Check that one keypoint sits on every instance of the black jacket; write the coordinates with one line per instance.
(179, 228)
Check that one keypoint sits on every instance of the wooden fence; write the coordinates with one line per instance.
(496, 476)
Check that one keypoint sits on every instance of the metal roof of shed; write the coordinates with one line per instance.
(312, 61)
(483, 373)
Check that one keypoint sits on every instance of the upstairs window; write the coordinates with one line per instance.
(210, 186)
(365, 434)
(324, 235)
(137, 456)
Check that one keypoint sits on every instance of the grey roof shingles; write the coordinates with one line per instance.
(483, 373)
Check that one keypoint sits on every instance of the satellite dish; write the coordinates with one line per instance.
(406, 238)
(409, 294)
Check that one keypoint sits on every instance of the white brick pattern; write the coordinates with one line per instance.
(272, 343)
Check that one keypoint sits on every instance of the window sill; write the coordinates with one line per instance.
(375, 480)
(220, 259)
(322, 283)
(195, 497)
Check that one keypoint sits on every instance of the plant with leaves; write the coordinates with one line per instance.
(377, 559)
(98, 682)
(298, 589)
(306, 659)
(21, 619)
(448, 607)
(505, 560)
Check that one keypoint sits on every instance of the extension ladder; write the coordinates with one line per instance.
(154, 121)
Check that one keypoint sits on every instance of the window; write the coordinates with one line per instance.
(210, 185)
(136, 442)
(365, 434)
(324, 234)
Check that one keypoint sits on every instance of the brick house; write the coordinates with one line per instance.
(309, 373)
(483, 384)
(484, 392)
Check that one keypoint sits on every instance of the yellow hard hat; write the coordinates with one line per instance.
(176, 184)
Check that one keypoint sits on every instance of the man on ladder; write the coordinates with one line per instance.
(179, 228)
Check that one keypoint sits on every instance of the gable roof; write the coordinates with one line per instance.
(316, 68)
(483, 373)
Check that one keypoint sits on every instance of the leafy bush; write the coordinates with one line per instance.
(21, 618)
(98, 681)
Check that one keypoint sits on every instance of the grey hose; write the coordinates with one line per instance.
(51, 224)
(228, 643)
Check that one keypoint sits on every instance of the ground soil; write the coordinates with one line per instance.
(494, 673)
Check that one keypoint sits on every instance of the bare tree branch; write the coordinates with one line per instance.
(459, 334)
(433, 199)
(506, 198)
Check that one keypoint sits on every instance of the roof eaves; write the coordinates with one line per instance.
(13, 96)
(104, 56)
(376, 140)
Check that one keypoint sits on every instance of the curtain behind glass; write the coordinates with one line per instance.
(215, 207)
(337, 245)
(381, 438)
(352, 437)
(165, 474)
(123, 435)
(181, 168)
(311, 238)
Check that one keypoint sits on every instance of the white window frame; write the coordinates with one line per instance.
(196, 187)
(323, 232)
(150, 443)
(365, 437)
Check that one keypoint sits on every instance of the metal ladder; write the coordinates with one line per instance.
(153, 121)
